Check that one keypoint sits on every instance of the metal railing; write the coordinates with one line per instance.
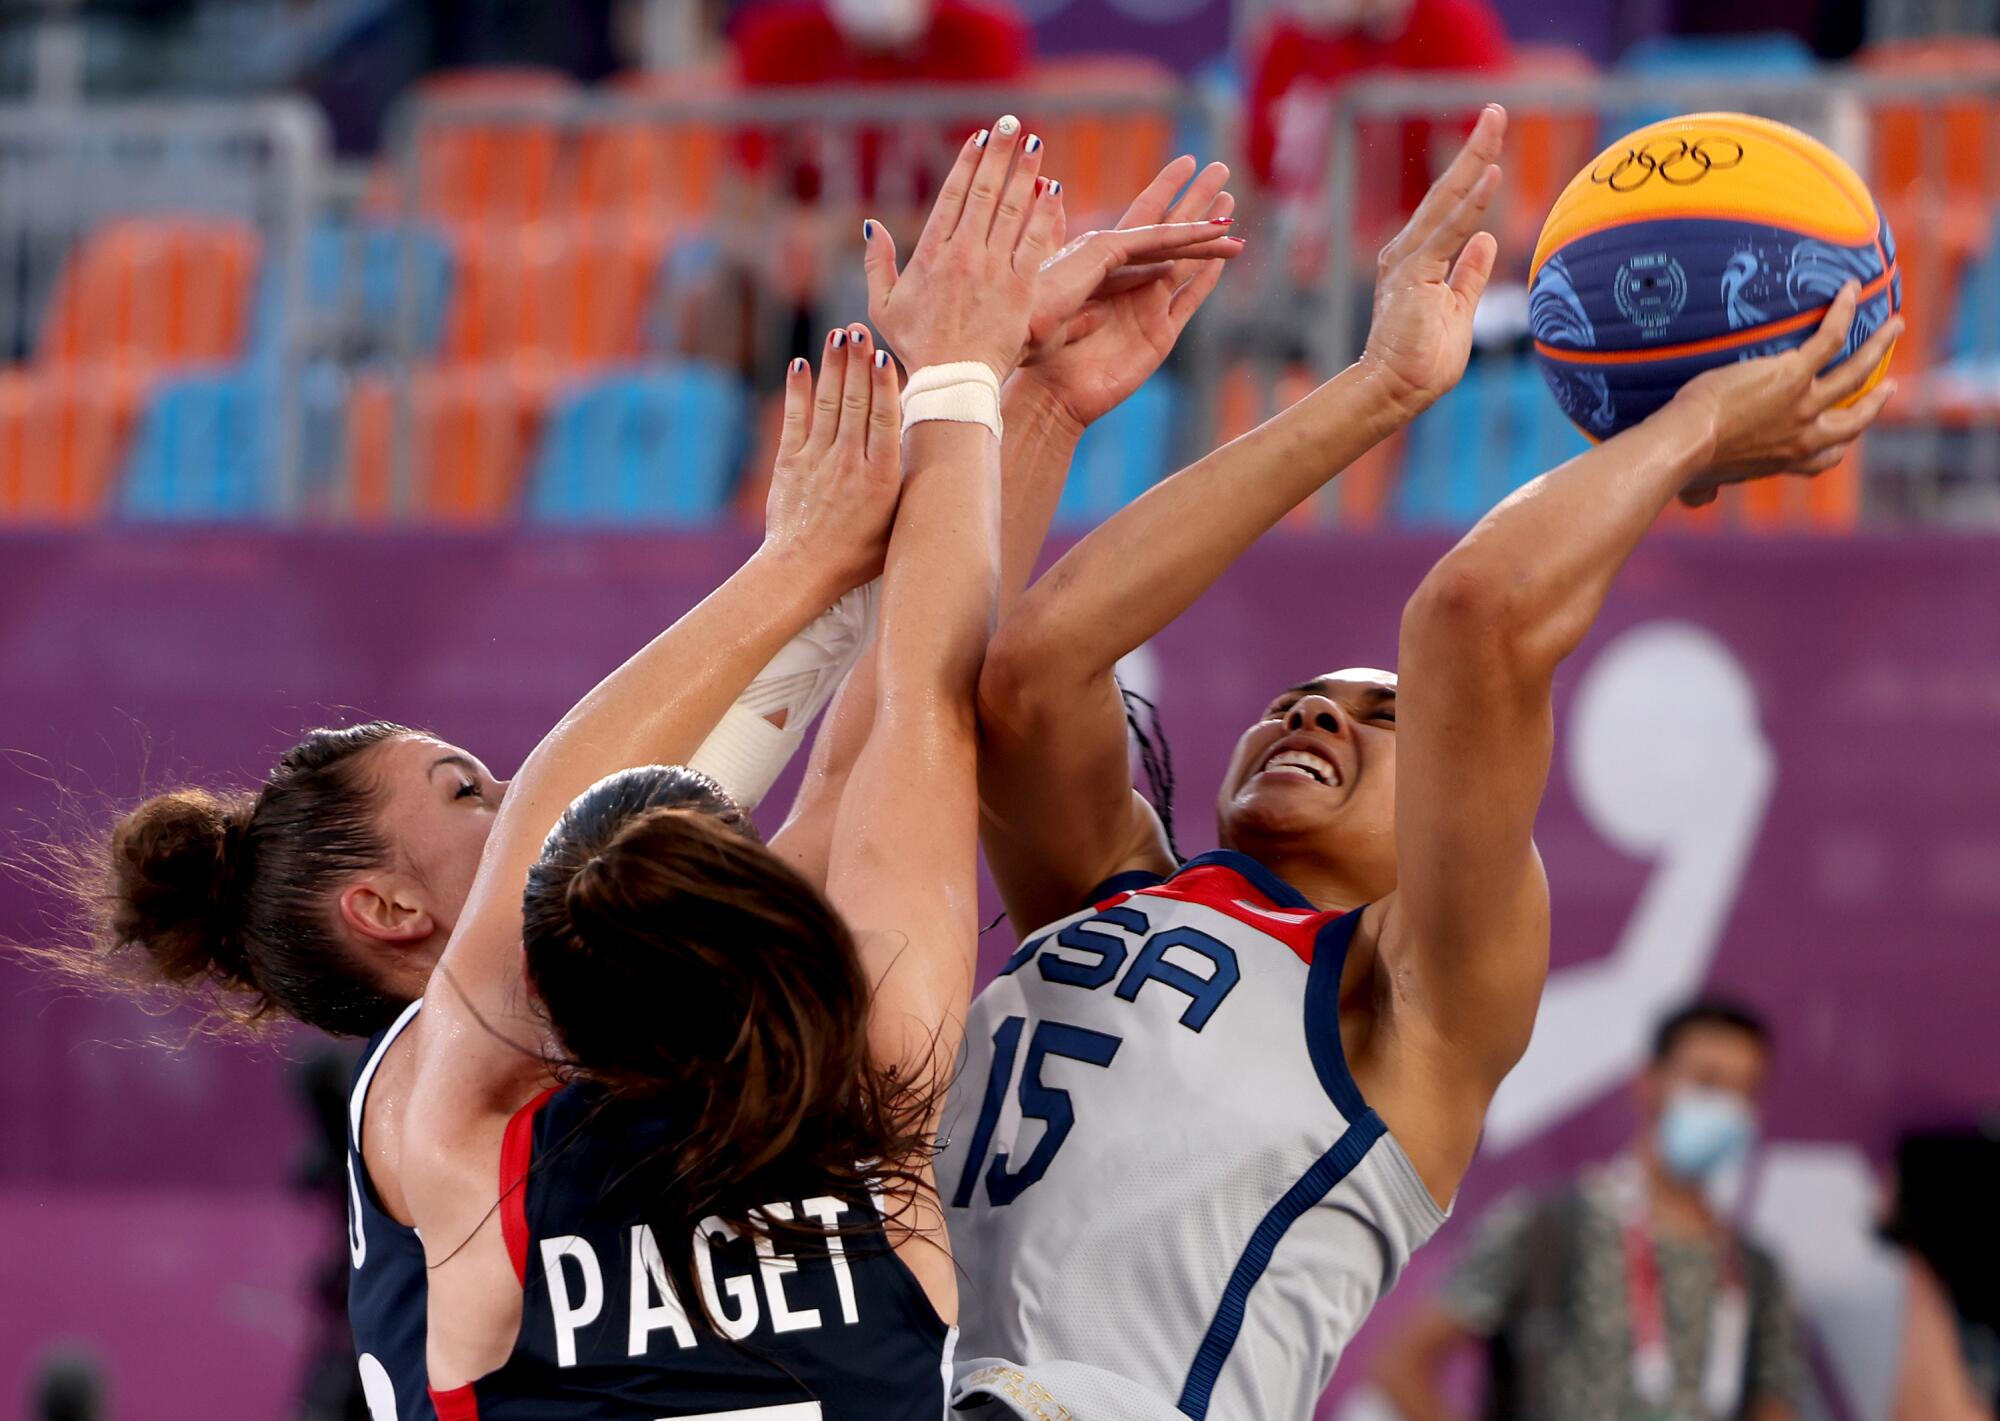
(546, 242)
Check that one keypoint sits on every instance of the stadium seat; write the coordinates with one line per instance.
(662, 176)
(1104, 158)
(153, 292)
(208, 448)
(655, 446)
(62, 435)
(1772, 55)
(1122, 455)
(483, 171)
(553, 296)
(469, 433)
(354, 274)
(1498, 429)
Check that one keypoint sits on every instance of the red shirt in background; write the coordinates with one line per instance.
(1298, 70)
(796, 43)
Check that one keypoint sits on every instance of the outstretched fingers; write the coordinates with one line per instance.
(1017, 198)
(1152, 202)
(856, 391)
(989, 179)
(1474, 267)
(1044, 227)
(798, 408)
(878, 261)
(885, 413)
(826, 395)
(1465, 175)
(952, 194)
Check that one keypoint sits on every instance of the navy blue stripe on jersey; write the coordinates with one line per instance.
(1132, 880)
(1319, 1181)
(1261, 878)
(1323, 1015)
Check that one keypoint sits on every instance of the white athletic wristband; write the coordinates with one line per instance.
(961, 392)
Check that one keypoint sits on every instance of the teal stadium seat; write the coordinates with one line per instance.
(1772, 55)
(658, 446)
(207, 450)
(353, 274)
(1976, 336)
(1498, 429)
(1122, 455)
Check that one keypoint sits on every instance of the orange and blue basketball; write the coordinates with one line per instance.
(1695, 242)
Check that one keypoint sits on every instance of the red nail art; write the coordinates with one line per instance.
(1222, 221)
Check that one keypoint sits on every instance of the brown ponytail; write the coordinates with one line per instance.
(229, 897)
(692, 974)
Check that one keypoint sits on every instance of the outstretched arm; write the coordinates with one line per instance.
(827, 525)
(1061, 814)
(1151, 273)
(1464, 939)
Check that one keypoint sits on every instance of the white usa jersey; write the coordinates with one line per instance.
(1162, 1178)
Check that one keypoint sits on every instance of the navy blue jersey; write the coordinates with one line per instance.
(842, 1332)
(385, 1281)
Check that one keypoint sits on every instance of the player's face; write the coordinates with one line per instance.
(437, 807)
(1319, 763)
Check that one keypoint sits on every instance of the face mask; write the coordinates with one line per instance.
(881, 24)
(1704, 1132)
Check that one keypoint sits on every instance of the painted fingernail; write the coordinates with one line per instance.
(868, 230)
(1222, 221)
(1055, 187)
(1034, 143)
(799, 366)
(881, 359)
(979, 138)
(1008, 126)
(860, 334)
(839, 339)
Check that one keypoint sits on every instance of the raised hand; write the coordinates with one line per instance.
(1429, 279)
(1779, 414)
(969, 289)
(840, 462)
(1119, 327)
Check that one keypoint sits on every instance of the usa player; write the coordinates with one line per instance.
(729, 1209)
(1209, 1110)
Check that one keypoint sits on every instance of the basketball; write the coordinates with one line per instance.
(1693, 242)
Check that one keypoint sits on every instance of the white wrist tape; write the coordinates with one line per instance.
(745, 751)
(961, 392)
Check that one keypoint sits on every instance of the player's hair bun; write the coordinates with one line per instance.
(176, 871)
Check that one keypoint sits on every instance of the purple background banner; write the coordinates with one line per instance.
(1775, 775)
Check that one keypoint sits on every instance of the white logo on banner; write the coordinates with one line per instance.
(1667, 761)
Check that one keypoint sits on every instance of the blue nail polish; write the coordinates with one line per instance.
(839, 339)
(881, 359)
(860, 337)
(798, 366)
(1034, 144)
(868, 230)
(1055, 188)
(979, 138)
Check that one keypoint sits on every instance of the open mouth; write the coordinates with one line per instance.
(1304, 764)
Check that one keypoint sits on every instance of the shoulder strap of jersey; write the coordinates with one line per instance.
(362, 1079)
(517, 1156)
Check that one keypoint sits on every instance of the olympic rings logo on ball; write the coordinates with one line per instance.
(1673, 160)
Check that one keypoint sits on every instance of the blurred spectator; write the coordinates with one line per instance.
(1624, 1295)
(69, 1387)
(1943, 1218)
(882, 42)
(1314, 47)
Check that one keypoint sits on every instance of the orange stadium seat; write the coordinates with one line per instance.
(1546, 147)
(63, 434)
(1935, 169)
(482, 171)
(1102, 159)
(662, 176)
(154, 292)
(551, 296)
(470, 434)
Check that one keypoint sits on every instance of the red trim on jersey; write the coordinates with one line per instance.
(1228, 892)
(517, 1152)
(458, 1404)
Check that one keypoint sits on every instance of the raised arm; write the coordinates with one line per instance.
(1100, 343)
(1464, 938)
(1061, 815)
(827, 522)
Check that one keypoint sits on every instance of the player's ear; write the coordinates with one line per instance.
(385, 909)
